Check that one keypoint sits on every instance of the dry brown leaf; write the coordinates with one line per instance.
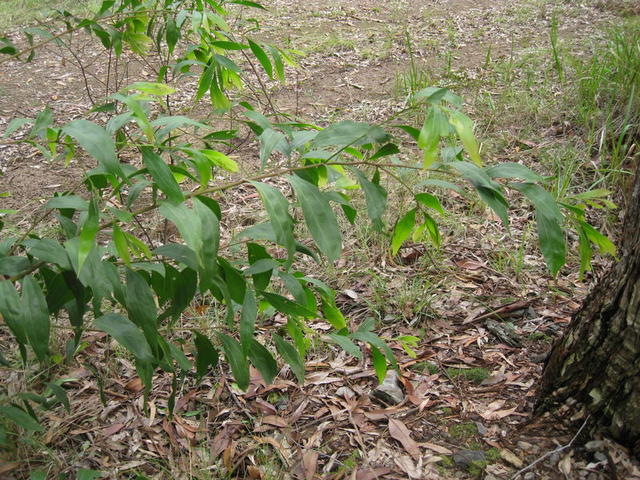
(400, 432)
(227, 456)
(372, 474)
(254, 472)
(565, 464)
(511, 458)
(274, 420)
(112, 429)
(310, 464)
(436, 448)
(134, 385)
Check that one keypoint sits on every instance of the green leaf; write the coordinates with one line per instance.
(15, 124)
(348, 132)
(286, 306)
(488, 190)
(319, 217)
(210, 228)
(49, 250)
(35, 317)
(346, 344)
(14, 265)
(374, 340)
(549, 219)
(388, 149)
(441, 184)
(38, 475)
(221, 160)
(464, 129)
(11, 310)
(151, 88)
(120, 242)
(162, 175)
(435, 126)
(206, 355)
(60, 394)
(21, 418)
(141, 306)
(430, 201)
(127, 334)
(262, 359)
(248, 320)
(172, 35)
(188, 223)
(403, 230)
(379, 363)
(262, 57)
(97, 142)
(88, 233)
(601, 241)
(278, 63)
(375, 196)
(256, 253)
(270, 140)
(513, 170)
(278, 210)
(84, 474)
(333, 314)
(180, 253)
(236, 359)
(291, 356)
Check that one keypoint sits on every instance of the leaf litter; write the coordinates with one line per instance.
(332, 427)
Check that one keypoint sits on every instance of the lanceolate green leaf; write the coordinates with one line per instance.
(11, 310)
(348, 132)
(206, 355)
(88, 233)
(21, 418)
(95, 140)
(162, 175)
(286, 306)
(127, 334)
(376, 198)
(291, 356)
(36, 317)
(464, 128)
(513, 170)
(262, 359)
(549, 218)
(403, 230)
(141, 306)
(347, 345)
(278, 209)
(262, 57)
(379, 363)
(236, 359)
(248, 320)
(319, 217)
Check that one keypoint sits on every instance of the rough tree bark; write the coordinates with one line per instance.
(597, 362)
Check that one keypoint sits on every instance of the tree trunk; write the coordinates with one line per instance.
(597, 362)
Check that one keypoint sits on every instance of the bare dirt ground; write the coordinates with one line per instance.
(466, 393)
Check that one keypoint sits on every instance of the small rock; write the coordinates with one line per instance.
(464, 458)
(482, 430)
(511, 458)
(345, 392)
(529, 476)
(389, 390)
(600, 457)
(524, 446)
(594, 445)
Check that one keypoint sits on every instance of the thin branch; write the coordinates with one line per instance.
(557, 450)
